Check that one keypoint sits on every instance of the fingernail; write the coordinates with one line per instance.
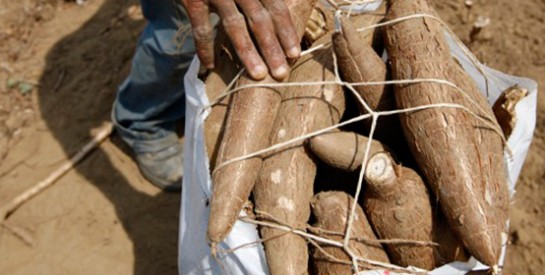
(259, 72)
(294, 52)
(281, 71)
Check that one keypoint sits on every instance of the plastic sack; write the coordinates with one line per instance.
(194, 253)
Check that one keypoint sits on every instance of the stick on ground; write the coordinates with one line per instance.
(15, 203)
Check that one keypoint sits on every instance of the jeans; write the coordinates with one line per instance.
(152, 98)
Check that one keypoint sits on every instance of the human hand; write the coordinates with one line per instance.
(270, 23)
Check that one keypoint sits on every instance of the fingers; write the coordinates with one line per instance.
(262, 27)
(285, 29)
(198, 13)
(235, 27)
(270, 23)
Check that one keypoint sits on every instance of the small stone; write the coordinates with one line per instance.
(485, 35)
(11, 83)
(46, 13)
(25, 88)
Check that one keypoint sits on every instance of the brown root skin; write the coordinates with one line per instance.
(358, 62)
(247, 128)
(398, 206)
(216, 83)
(285, 184)
(286, 179)
(450, 248)
(331, 210)
(460, 157)
(343, 150)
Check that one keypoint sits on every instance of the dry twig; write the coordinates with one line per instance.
(15, 203)
(19, 233)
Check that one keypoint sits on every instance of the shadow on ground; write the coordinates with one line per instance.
(75, 95)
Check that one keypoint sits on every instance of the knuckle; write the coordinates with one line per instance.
(288, 34)
(279, 12)
(269, 44)
(202, 32)
(275, 54)
(277, 8)
(233, 20)
(261, 18)
(245, 49)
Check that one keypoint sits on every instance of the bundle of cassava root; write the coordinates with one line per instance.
(369, 164)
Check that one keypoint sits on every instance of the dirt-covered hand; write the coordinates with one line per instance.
(268, 20)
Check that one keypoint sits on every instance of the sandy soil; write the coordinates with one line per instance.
(60, 64)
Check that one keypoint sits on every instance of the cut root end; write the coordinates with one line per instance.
(380, 169)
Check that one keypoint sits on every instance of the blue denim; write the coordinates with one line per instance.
(152, 98)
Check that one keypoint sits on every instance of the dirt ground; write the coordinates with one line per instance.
(60, 65)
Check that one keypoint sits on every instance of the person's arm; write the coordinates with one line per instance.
(270, 23)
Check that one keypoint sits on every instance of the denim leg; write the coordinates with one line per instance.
(152, 98)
